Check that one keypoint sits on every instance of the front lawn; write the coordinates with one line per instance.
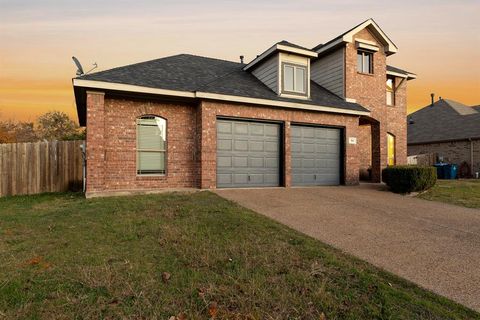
(188, 255)
(459, 192)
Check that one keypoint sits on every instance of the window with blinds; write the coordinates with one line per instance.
(151, 145)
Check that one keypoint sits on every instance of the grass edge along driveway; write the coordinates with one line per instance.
(194, 256)
(465, 193)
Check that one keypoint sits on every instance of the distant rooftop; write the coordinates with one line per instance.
(445, 120)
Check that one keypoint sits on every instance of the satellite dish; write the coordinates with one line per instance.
(79, 66)
(80, 71)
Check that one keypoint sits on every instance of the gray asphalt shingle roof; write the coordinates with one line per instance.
(186, 72)
(446, 120)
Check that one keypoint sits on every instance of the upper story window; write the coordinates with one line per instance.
(365, 62)
(390, 91)
(151, 145)
(294, 79)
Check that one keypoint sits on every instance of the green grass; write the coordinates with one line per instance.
(62, 256)
(459, 192)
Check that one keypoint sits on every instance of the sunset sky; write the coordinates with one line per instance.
(438, 40)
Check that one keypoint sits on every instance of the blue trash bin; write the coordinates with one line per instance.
(450, 171)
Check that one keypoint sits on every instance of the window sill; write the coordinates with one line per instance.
(365, 74)
(151, 177)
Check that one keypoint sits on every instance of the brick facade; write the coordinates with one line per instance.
(191, 141)
(370, 91)
(453, 152)
(191, 132)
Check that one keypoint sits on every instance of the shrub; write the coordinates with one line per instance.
(406, 179)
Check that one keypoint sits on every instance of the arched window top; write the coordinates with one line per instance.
(151, 144)
(154, 121)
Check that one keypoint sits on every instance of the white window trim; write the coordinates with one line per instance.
(305, 80)
(137, 149)
(364, 54)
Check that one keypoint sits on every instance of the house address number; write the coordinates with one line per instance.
(352, 140)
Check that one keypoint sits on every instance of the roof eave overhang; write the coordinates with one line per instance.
(108, 86)
(407, 76)
(282, 48)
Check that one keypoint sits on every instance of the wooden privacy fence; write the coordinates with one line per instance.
(426, 159)
(36, 167)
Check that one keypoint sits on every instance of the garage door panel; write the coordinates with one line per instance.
(253, 160)
(224, 178)
(256, 129)
(255, 145)
(272, 131)
(271, 146)
(240, 145)
(240, 162)
(224, 127)
(224, 144)
(241, 128)
(224, 162)
(315, 156)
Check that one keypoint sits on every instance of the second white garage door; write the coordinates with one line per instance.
(316, 155)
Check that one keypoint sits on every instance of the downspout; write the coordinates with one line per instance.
(471, 157)
(84, 165)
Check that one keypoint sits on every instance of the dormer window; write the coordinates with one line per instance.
(365, 62)
(294, 79)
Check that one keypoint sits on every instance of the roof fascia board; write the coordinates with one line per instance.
(299, 51)
(139, 89)
(408, 76)
(283, 104)
(130, 88)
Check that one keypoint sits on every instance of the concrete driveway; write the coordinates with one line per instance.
(432, 244)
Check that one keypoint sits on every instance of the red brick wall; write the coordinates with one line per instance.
(191, 141)
(211, 110)
(111, 145)
(370, 91)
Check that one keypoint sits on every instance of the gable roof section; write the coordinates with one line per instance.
(283, 46)
(445, 120)
(347, 36)
(192, 76)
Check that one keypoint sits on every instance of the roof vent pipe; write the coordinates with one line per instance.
(241, 59)
(433, 98)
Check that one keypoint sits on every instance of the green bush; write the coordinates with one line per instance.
(406, 179)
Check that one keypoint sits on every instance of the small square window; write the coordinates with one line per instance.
(294, 79)
(364, 62)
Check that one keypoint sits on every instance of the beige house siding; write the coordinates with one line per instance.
(329, 72)
(267, 72)
(454, 152)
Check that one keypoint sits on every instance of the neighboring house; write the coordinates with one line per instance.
(449, 129)
(292, 116)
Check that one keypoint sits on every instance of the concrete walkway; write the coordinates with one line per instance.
(432, 244)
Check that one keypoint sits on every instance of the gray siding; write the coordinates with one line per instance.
(267, 72)
(328, 72)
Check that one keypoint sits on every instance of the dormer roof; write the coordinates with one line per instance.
(282, 46)
(347, 37)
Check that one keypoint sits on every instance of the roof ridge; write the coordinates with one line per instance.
(155, 60)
